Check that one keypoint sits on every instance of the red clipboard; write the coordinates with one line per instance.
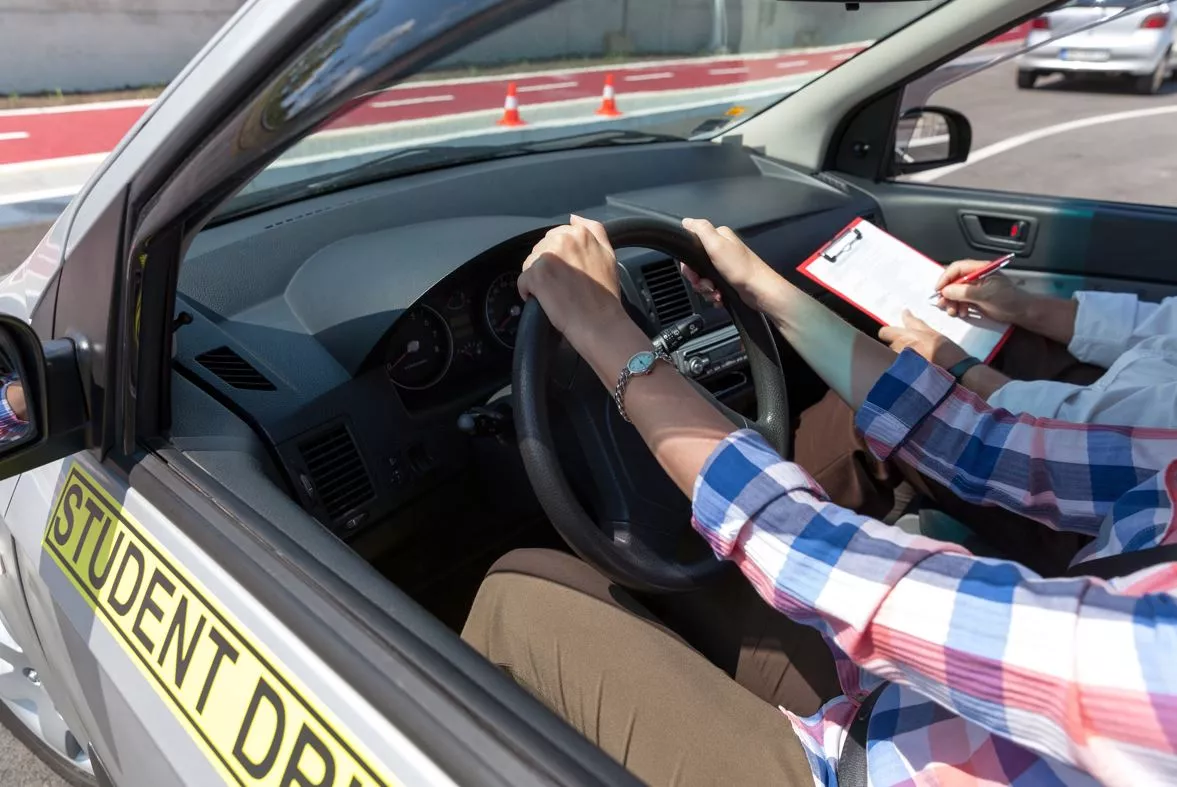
(842, 242)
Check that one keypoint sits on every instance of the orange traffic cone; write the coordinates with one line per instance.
(511, 108)
(608, 102)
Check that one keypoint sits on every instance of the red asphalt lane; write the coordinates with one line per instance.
(55, 133)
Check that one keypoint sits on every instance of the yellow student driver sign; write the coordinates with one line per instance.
(254, 721)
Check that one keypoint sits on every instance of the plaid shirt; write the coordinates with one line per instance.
(998, 675)
(11, 425)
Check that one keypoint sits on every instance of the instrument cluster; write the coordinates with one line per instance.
(464, 325)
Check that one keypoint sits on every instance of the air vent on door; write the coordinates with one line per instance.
(341, 482)
(234, 370)
(668, 291)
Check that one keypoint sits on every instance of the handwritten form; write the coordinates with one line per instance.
(882, 276)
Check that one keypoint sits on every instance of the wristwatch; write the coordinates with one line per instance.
(958, 369)
(639, 365)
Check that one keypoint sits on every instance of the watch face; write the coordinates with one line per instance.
(641, 362)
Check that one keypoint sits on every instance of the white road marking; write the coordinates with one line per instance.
(718, 72)
(547, 86)
(5, 136)
(44, 194)
(1006, 145)
(95, 106)
(406, 102)
(844, 56)
(648, 77)
(792, 63)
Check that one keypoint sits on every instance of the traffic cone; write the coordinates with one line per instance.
(511, 108)
(608, 102)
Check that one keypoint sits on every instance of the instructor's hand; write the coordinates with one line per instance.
(995, 297)
(573, 273)
(924, 339)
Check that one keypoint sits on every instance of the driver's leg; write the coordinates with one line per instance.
(597, 658)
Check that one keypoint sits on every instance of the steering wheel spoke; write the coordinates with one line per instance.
(646, 516)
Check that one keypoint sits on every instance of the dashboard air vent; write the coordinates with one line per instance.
(234, 370)
(668, 291)
(336, 470)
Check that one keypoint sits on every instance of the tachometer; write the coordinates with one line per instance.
(419, 349)
(503, 307)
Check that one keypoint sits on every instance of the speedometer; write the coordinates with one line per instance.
(503, 307)
(419, 349)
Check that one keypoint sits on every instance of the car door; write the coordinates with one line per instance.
(185, 638)
(1046, 208)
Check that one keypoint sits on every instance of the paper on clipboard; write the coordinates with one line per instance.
(882, 276)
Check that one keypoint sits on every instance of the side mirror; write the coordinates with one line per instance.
(43, 413)
(930, 138)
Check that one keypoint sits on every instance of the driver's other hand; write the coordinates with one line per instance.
(748, 275)
(573, 273)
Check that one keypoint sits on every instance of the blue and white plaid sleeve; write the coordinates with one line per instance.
(1061, 474)
(12, 426)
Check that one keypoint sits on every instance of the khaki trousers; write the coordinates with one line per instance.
(600, 659)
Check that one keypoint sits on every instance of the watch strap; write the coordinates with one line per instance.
(958, 369)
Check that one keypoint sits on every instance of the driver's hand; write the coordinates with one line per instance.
(748, 275)
(573, 273)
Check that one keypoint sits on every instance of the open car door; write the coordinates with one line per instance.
(182, 636)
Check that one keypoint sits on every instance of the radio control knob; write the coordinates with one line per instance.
(697, 365)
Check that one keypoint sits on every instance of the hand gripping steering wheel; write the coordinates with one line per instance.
(636, 543)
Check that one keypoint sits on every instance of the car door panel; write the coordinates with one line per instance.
(1117, 245)
(240, 702)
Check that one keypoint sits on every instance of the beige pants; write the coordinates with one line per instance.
(601, 660)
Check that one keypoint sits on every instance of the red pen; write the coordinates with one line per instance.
(981, 273)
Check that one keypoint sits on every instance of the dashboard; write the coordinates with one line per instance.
(352, 331)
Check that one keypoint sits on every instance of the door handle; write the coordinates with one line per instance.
(998, 232)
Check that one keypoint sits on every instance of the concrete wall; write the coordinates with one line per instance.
(590, 28)
(74, 45)
(102, 44)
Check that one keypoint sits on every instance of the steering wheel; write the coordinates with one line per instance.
(643, 515)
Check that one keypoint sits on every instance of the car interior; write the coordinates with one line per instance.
(349, 356)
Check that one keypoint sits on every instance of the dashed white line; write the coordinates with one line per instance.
(718, 72)
(408, 102)
(843, 56)
(13, 135)
(547, 86)
(649, 77)
(792, 63)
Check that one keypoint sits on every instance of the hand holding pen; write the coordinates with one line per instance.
(974, 276)
(976, 286)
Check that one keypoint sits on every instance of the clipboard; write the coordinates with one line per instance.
(880, 275)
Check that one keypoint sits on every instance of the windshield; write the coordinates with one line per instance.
(583, 73)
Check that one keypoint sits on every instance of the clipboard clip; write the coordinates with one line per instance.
(842, 245)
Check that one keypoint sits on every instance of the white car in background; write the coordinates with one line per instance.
(1135, 41)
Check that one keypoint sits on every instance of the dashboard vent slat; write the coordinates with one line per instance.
(337, 471)
(234, 370)
(668, 292)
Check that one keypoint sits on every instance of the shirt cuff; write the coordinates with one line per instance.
(743, 475)
(1104, 323)
(899, 402)
(1039, 398)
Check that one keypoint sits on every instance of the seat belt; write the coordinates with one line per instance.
(852, 761)
(1125, 563)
